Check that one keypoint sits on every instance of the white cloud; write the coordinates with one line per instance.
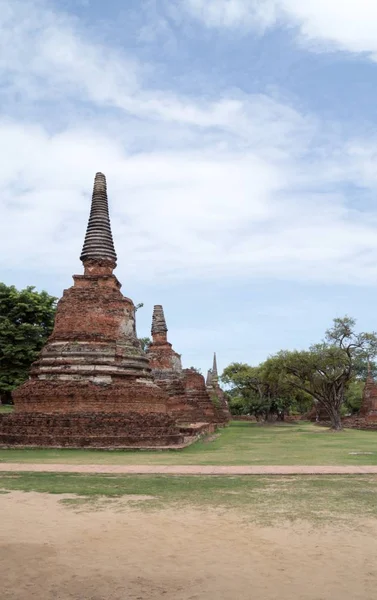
(217, 188)
(232, 13)
(177, 215)
(48, 56)
(348, 25)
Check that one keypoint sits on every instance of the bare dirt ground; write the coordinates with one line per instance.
(120, 552)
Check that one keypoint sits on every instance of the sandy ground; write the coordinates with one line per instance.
(51, 551)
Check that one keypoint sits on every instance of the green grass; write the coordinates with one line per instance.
(6, 408)
(265, 499)
(240, 444)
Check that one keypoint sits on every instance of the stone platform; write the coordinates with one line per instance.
(80, 430)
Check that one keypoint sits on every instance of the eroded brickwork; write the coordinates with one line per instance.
(92, 383)
(197, 394)
(189, 400)
(167, 369)
(368, 410)
(88, 430)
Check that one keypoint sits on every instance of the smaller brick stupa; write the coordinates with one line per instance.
(185, 405)
(216, 393)
(162, 358)
(92, 385)
(167, 368)
(368, 408)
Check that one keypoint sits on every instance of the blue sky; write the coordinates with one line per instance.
(239, 142)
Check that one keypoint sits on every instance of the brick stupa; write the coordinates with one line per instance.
(187, 403)
(92, 385)
(368, 408)
(216, 393)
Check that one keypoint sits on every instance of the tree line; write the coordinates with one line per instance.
(26, 321)
(330, 374)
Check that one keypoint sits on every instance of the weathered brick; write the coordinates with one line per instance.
(92, 384)
(189, 401)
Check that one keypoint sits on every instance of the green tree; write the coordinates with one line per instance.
(237, 405)
(326, 370)
(263, 391)
(353, 396)
(145, 342)
(245, 389)
(26, 321)
(285, 398)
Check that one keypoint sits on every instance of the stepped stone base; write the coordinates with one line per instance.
(90, 430)
(196, 430)
(197, 395)
(66, 397)
(173, 385)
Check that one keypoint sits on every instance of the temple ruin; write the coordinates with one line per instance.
(92, 385)
(189, 401)
(167, 368)
(216, 394)
(368, 409)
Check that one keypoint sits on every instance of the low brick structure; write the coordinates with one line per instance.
(318, 413)
(216, 394)
(89, 430)
(92, 384)
(197, 393)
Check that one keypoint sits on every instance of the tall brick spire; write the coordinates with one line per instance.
(215, 374)
(98, 244)
(369, 376)
(159, 329)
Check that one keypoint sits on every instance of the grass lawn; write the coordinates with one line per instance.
(266, 499)
(6, 408)
(239, 444)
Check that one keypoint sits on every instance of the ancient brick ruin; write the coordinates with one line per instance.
(368, 410)
(167, 368)
(318, 413)
(216, 394)
(197, 393)
(189, 401)
(92, 385)
(367, 416)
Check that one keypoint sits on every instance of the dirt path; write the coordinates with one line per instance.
(189, 469)
(120, 552)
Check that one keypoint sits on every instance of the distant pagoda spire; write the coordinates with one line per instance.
(98, 244)
(215, 374)
(370, 378)
(159, 328)
(209, 378)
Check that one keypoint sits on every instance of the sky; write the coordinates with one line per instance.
(239, 142)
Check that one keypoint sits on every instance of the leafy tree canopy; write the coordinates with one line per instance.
(26, 321)
(145, 342)
(327, 369)
(263, 391)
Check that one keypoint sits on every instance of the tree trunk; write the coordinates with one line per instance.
(335, 418)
